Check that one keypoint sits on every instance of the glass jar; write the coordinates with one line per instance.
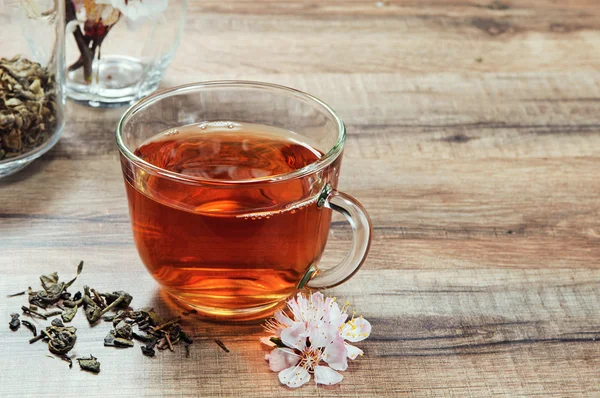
(31, 80)
(117, 50)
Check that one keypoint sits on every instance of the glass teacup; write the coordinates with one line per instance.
(230, 187)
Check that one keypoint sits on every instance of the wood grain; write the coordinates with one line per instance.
(474, 143)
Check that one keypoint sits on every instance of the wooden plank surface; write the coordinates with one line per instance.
(474, 143)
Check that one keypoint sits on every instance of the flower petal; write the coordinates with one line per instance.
(335, 354)
(321, 334)
(294, 336)
(353, 351)
(282, 358)
(326, 375)
(283, 318)
(356, 329)
(294, 377)
(336, 316)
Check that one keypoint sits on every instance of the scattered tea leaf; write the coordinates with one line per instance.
(68, 314)
(53, 313)
(90, 364)
(57, 322)
(92, 313)
(79, 269)
(187, 350)
(114, 296)
(62, 339)
(73, 303)
(53, 289)
(121, 342)
(140, 337)
(123, 329)
(16, 294)
(187, 339)
(220, 344)
(30, 326)
(148, 351)
(14, 322)
(109, 340)
(49, 280)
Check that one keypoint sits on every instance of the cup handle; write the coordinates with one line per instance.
(360, 222)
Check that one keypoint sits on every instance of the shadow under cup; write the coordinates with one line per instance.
(236, 249)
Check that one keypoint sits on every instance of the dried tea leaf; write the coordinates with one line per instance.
(153, 316)
(90, 364)
(27, 106)
(108, 318)
(140, 337)
(114, 296)
(185, 337)
(53, 289)
(49, 280)
(124, 330)
(57, 322)
(16, 294)
(14, 322)
(62, 339)
(30, 326)
(109, 340)
(53, 313)
(92, 313)
(68, 314)
(121, 342)
(148, 351)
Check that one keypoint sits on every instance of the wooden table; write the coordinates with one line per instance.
(474, 142)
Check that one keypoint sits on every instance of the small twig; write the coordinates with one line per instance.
(187, 350)
(16, 294)
(52, 313)
(98, 299)
(220, 344)
(29, 311)
(37, 338)
(169, 323)
(169, 342)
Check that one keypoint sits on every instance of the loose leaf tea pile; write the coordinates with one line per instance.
(27, 106)
(53, 300)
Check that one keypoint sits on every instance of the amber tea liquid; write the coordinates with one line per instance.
(226, 249)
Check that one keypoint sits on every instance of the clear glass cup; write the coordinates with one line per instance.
(31, 80)
(117, 55)
(229, 261)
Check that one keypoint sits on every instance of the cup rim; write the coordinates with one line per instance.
(314, 167)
